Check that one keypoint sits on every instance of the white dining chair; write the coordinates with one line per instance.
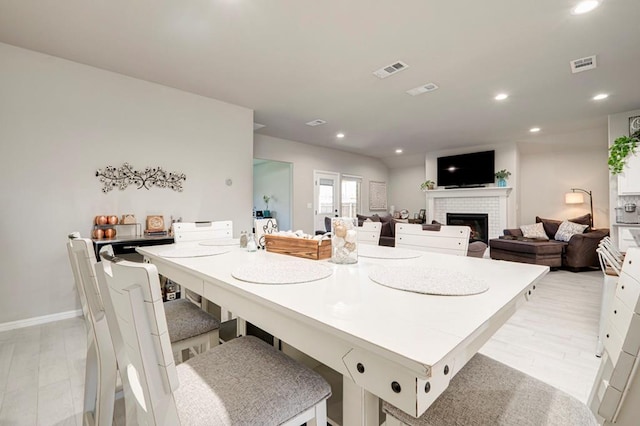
(486, 391)
(611, 265)
(611, 247)
(101, 369)
(369, 233)
(192, 232)
(242, 382)
(191, 329)
(202, 231)
(446, 239)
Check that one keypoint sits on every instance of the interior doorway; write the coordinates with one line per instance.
(274, 179)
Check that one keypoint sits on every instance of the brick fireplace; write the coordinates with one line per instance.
(490, 201)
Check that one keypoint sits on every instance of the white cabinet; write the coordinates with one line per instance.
(625, 239)
(629, 179)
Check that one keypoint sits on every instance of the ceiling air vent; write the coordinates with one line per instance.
(429, 87)
(390, 69)
(583, 64)
(316, 122)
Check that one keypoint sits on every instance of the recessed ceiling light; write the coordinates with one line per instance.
(501, 97)
(585, 7)
(340, 135)
(534, 129)
(600, 97)
(398, 151)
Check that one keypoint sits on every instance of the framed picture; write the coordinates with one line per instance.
(377, 195)
(422, 215)
(634, 125)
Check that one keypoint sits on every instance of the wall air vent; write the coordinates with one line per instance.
(390, 69)
(429, 87)
(315, 123)
(583, 64)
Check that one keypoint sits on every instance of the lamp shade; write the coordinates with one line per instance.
(573, 198)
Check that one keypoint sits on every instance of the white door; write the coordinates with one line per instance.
(326, 197)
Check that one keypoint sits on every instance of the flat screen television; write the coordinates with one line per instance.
(475, 169)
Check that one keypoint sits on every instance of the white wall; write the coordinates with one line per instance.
(273, 178)
(59, 122)
(554, 165)
(307, 158)
(506, 157)
(404, 188)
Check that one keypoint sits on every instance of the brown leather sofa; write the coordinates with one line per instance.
(388, 230)
(580, 252)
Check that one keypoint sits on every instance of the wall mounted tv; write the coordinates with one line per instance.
(466, 170)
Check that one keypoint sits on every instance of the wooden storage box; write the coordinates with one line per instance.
(299, 247)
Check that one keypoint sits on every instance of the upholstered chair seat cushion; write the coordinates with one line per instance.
(186, 320)
(487, 392)
(245, 382)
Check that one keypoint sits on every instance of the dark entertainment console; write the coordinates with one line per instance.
(126, 247)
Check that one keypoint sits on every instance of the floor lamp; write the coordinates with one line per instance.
(574, 197)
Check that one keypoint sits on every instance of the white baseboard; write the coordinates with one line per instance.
(39, 320)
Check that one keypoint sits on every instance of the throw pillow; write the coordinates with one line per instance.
(567, 229)
(534, 231)
(551, 226)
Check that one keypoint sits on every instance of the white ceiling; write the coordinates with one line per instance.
(293, 61)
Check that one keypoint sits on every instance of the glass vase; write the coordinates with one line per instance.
(502, 182)
(344, 240)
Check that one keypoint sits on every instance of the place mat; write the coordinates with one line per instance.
(192, 251)
(221, 242)
(288, 272)
(428, 280)
(382, 252)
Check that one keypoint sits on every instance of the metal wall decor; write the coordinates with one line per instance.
(125, 175)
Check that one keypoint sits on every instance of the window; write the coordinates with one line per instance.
(351, 195)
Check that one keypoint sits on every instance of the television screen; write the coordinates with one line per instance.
(475, 169)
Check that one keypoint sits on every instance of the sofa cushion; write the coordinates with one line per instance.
(567, 229)
(535, 230)
(551, 226)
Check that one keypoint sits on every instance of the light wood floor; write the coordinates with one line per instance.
(552, 337)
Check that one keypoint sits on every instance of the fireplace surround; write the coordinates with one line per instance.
(489, 200)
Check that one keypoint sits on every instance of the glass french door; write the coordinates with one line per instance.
(326, 197)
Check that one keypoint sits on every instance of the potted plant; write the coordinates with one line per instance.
(622, 147)
(502, 176)
(266, 212)
(427, 184)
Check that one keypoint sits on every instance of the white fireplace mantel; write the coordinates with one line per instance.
(490, 191)
(491, 200)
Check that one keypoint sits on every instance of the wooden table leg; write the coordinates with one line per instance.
(359, 407)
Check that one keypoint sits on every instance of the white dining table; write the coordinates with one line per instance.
(400, 346)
